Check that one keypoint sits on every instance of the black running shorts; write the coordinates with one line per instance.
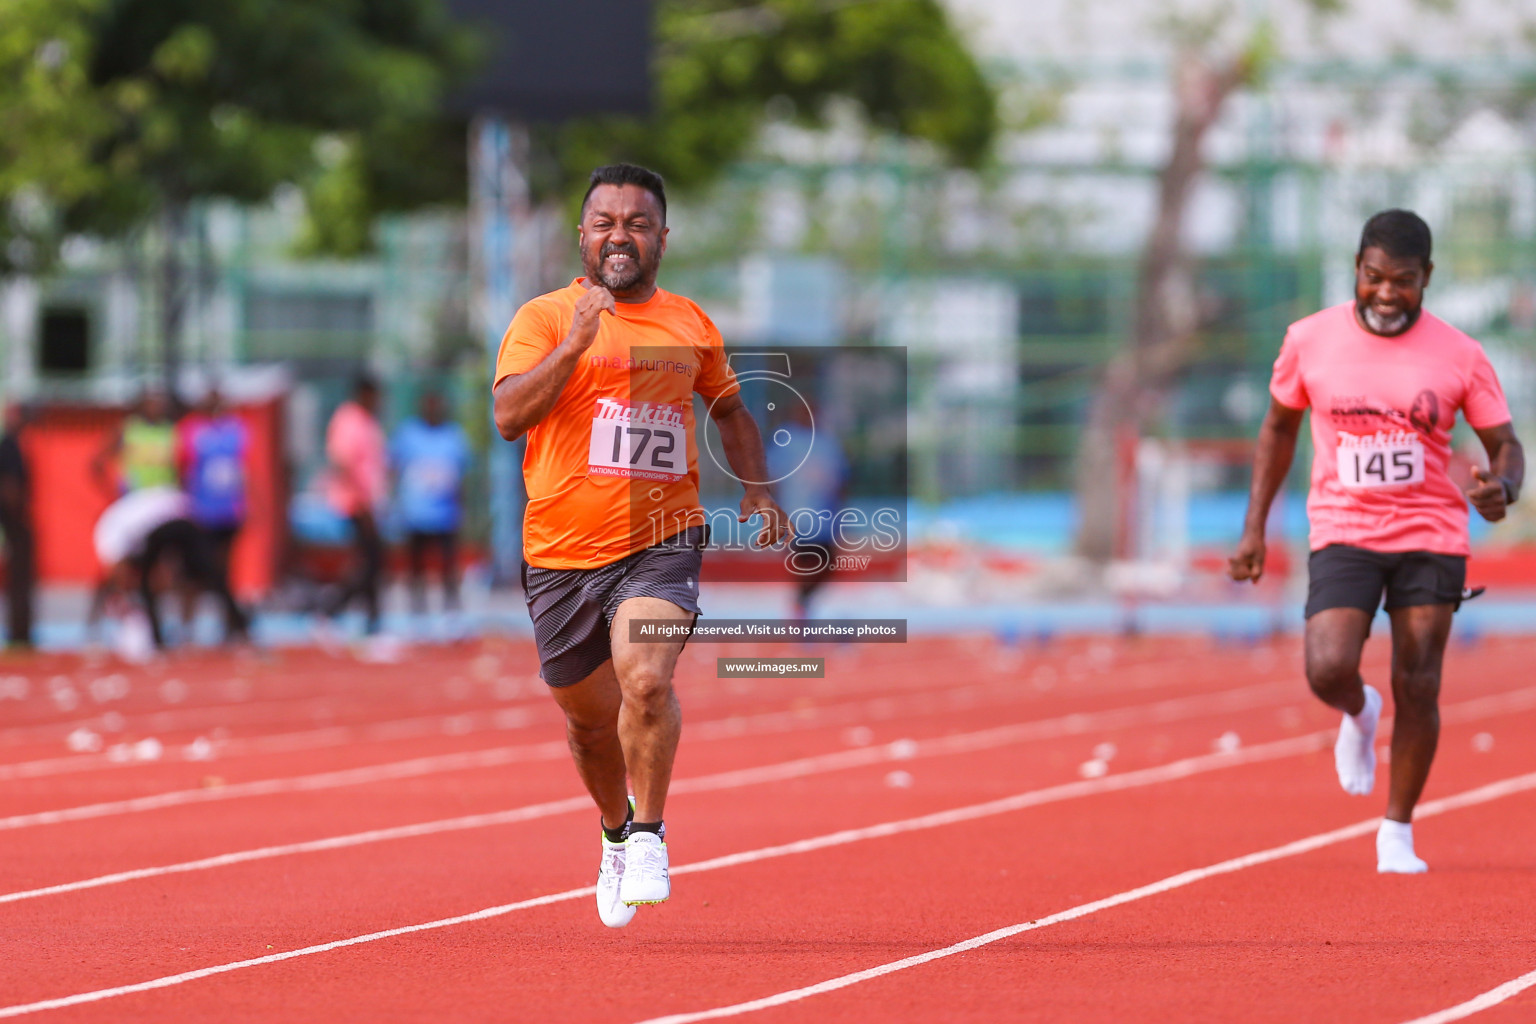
(1341, 576)
(573, 609)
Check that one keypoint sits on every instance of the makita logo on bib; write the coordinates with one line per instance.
(1378, 439)
(639, 414)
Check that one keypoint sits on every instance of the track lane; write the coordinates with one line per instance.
(747, 823)
(846, 871)
(1322, 938)
(212, 997)
(710, 700)
(1122, 965)
(348, 881)
(1502, 1004)
(194, 832)
(1021, 753)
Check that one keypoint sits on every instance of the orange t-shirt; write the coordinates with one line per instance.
(613, 469)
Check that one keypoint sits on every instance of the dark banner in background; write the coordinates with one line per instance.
(548, 61)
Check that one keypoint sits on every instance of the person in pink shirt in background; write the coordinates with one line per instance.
(1384, 380)
(354, 488)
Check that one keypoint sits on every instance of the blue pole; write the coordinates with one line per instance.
(498, 195)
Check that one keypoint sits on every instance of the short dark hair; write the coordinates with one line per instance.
(365, 383)
(1401, 234)
(628, 174)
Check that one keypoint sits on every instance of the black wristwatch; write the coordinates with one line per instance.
(1509, 492)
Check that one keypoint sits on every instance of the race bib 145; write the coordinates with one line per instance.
(648, 440)
(1387, 459)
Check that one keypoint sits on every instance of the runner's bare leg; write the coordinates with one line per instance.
(1419, 635)
(1334, 639)
(650, 719)
(592, 729)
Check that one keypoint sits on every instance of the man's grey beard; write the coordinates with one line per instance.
(1388, 326)
(637, 275)
(623, 279)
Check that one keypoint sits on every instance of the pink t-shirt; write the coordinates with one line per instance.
(1382, 412)
(354, 443)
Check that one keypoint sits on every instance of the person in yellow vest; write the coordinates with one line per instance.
(144, 448)
(144, 451)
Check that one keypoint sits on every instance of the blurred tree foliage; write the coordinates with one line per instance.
(232, 99)
(50, 121)
(719, 67)
(720, 64)
(122, 113)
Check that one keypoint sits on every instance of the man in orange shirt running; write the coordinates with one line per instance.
(600, 375)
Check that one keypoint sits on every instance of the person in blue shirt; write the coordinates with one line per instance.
(430, 457)
(810, 474)
(211, 449)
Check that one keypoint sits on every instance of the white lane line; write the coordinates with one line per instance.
(1493, 997)
(521, 714)
(1161, 711)
(1481, 795)
(272, 958)
(1481, 707)
(916, 698)
(798, 768)
(378, 835)
(253, 711)
(192, 718)
(1470, 710)
(500, 719)
(415, 767)
(1470, 798)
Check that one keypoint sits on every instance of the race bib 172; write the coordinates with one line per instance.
(1381, 460)
(648, 440)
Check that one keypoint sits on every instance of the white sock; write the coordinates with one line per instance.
(1394, 850)
(1354, 752)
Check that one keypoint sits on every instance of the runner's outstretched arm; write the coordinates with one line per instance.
(1271, 461)
(743, 444)
(523, 399)
(1497, 488)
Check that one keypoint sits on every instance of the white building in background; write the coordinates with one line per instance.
(91, 329)
(1360, 31)
(1426, 94)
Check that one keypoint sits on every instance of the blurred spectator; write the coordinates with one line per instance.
(16, 521)
(810, 475)
(135, 534)
(431, 457)
(144, 450)
(211, 449)
(354, 447)
(144, 447)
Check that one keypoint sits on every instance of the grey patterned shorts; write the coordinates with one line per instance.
(573, 609)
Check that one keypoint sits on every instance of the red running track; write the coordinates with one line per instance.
(1092, 831)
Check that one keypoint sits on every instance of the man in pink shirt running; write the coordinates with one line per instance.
(1384, 380)
(355, 485)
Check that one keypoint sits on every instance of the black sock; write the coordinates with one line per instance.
(618, 835)
(658, 827)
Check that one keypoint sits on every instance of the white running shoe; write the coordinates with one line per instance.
(615, 913)
(645, 870)
(1354, 752)
(1394, 850)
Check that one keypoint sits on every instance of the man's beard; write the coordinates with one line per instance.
(1388, 326)
(634, 273)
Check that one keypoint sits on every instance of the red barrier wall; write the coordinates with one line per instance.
(67, 499)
